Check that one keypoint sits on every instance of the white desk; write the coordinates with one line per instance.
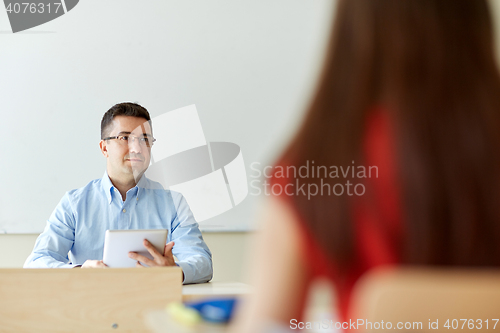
(193, 292)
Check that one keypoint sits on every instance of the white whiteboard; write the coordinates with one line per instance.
(249, 66)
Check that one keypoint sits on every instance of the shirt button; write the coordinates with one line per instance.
(124, 210)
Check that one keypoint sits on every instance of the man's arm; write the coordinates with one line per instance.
(52, 246)
(195, 258)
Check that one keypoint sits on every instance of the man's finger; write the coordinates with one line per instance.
(168, 249)
(138, 264)
(141, 258)
(94, 264)
(151, 249)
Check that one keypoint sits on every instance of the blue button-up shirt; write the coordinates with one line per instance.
(75, 231)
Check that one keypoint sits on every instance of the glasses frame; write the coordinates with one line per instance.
(128, 135)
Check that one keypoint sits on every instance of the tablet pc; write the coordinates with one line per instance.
(118, 243)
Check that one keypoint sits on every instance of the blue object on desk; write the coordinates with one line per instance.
(215, 310)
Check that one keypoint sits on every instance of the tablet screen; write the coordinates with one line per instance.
(118, 243)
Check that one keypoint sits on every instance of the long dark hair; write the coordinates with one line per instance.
(431, 65)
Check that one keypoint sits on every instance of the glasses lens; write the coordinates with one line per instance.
(146, 141)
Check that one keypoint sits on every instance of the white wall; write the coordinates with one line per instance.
(249, 67)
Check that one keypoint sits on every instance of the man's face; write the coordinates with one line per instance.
(130, 157)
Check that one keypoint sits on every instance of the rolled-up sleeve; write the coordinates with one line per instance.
(52, 246)
(192, 253)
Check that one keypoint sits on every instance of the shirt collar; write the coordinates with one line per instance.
(108, 187)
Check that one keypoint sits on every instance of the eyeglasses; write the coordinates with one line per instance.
(125, 139)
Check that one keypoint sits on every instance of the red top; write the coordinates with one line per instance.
(377, 221)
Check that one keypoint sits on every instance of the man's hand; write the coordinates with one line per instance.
(94, 264)
(165, 259)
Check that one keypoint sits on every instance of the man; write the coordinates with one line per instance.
(123, 199)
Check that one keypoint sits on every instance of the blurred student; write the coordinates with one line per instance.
(410, 88)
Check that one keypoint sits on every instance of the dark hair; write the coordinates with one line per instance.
(123, 109)
(430, 64)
